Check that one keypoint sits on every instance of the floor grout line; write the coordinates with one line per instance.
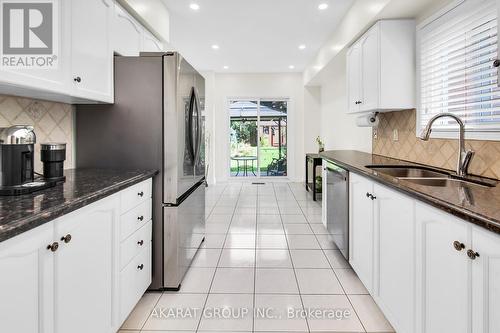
(215, 271)
(242, 202)
(335, 273)
(293, 267)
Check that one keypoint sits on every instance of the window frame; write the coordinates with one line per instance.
(492, 135)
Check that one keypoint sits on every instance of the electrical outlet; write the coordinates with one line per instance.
(375, 133)
(395, 135)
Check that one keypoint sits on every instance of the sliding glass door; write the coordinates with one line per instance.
(258, 137)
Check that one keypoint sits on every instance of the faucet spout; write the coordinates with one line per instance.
(464, 156)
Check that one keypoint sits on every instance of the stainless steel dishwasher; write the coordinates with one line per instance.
(337, 206)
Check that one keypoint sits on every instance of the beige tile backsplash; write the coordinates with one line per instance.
(436, 152)
(53, 122)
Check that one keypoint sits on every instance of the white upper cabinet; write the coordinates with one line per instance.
(92, 58)
(126, 32)
(87, 34)
(381, 68)
(50, 79)
(354, 78)
(150, 43)
(370, 71)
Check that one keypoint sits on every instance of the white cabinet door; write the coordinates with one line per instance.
(126, 33)
(361, 251)
(84, 273)
(394, 263)
(443, 272)
(485, 282)
(26, 282)
(92, 64)
(370, 68)
(150, 43)
(354, 78)
(17, 80)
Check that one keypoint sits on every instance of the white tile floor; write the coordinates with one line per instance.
(265, 249)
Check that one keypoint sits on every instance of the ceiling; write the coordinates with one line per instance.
(254, 36)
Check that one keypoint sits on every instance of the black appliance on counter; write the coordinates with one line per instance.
(17, 158)
(53, 156)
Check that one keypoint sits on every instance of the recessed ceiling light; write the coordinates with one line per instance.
(194, 6)
(302, 47)
(215, 47)
(226, 67)
(322, 6)
(291, 67)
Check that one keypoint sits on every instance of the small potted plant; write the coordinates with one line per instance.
(321, 145)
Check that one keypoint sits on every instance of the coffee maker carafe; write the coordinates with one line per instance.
(17, 155)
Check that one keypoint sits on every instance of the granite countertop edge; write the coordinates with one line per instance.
(50, 214)
(478, 219)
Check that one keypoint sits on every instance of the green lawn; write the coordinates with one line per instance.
(266, 156)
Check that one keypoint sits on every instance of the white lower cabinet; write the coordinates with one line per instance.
(361, 250)
(394, 267)
(84, 268)
(26, 283)
(485, 281)
(65, 276)
(429, 272)
(443, 273)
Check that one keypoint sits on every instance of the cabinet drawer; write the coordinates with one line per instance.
(134, 195)
(134, 219)
(131, 246)
(134, 281)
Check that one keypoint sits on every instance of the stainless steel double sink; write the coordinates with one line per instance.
(427, 176)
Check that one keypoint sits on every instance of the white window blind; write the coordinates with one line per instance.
(456, 55)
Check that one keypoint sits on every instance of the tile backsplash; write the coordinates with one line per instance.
(440, 153)
(53, 122)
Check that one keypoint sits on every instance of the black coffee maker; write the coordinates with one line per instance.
(17, 159)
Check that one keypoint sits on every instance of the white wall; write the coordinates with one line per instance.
(284, 85)
(338, 129)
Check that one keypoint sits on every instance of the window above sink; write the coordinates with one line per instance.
(456, 53)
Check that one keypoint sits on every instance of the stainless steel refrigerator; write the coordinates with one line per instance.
(156, 122)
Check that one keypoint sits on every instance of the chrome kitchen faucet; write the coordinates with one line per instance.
(464, 156)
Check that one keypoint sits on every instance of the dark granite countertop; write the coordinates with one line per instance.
(477, 204)
(82, 187)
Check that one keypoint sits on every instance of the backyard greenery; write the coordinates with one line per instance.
(266, 156)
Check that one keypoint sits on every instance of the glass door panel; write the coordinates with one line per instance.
(244, 138)
(258, 138)
(273, 138)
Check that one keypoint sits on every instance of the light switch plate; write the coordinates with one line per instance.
(395, 135)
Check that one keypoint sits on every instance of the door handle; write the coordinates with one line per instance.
(66, 239)
(472, 254)
(53, 247)
(458, 245)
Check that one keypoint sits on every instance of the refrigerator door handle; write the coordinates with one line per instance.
(195, 107)
(191, 134)
(199, 129)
